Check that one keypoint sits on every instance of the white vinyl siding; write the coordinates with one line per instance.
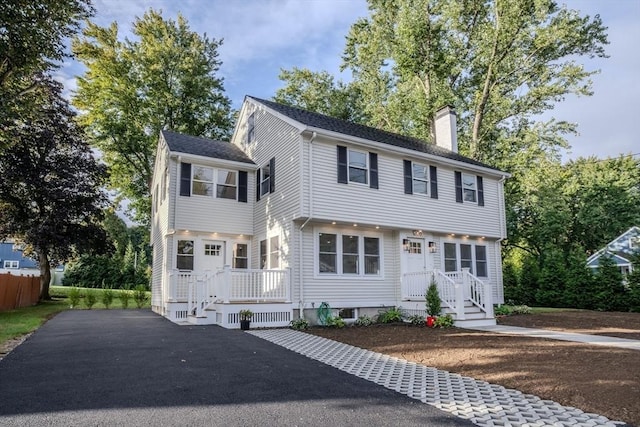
(350, 290)
(389, 206)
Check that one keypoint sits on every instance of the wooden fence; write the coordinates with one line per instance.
(18, 291)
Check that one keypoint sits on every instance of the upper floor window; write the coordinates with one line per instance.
(202, 181)
(11, 264)
(265, 179)
(226, 185)
(251, 128)
(348, 254)
(357, 166)
(420, 179)
(469, 188)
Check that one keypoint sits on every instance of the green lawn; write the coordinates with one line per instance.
(14, 323)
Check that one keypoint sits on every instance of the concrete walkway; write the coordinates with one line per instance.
(563, 336)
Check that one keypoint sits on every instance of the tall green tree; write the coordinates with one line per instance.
(164, 78)
(50, 193)
(32, 42)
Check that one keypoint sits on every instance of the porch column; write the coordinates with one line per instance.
(466, 284)
(289, 282)
(488, 300)
(460, 315)
(173, 285)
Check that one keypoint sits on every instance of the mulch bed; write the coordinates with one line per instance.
(603, 380)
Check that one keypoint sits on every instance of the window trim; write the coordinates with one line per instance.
(339, 274)
(474, 258)
(366, 168)
(11, 264)
(190, 255)
(426, 180)
(234, 256)
(215, 182)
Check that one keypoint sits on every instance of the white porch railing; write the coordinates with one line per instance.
(234, 285)
(202, 289)
(454, 288)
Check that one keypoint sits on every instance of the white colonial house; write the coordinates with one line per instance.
(302, 209)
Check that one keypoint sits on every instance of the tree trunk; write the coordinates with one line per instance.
(45, 275)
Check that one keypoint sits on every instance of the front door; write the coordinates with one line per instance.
(415, 256)
(212, 255)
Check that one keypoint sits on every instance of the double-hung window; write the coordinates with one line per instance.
(464, 255)
(328, 253)
(184, 259)
(420, 179)
(202, 181)
(358, 166)
(274, 252)
(251, 128)
(348, 254)
(11, 264)
(265, 179)
(469, 188)
(226, 185)
(240, 255)
(270, 253)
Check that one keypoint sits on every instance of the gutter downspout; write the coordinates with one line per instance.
(503, 231)
(310, 216)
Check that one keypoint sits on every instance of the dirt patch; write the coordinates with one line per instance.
(7, 346)
(603, 380)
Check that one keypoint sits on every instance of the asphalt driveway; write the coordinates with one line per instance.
(132, 367)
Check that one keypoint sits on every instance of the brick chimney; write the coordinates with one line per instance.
(445, 129)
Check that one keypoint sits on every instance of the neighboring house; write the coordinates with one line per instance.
(301, 209)
(12, 261)
(621, 250)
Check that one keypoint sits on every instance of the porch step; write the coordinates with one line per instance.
(208, 319)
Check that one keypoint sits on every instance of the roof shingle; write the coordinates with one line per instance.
(204, 147)
(321, 121)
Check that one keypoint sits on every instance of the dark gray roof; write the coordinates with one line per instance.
(321, 121)
(204, 147)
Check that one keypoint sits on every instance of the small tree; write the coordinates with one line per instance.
(433, 299)
(50, 192)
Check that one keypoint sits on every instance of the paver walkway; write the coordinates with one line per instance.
(563, 336)
(482, 403)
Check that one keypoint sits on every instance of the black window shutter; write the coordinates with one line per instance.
(480, 191)
(185, 179)
(433, 178)
(459, 187)
(373, 170)
(342, 165)
(242, 186)
(272, 176)
(408, 178)
(258, 185)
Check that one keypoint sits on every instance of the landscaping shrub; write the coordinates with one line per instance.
(299, 324)
(503, 310)
(521, 309)
(90, 298)
(140, 295)
(124, 296)
(364, 320)
(445, 321)
(417, 320)
(107, 297)
(391, 315)
(433, 299)
(74, 296)
(335, 322)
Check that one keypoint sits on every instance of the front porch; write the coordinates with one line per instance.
(216, 298)
(467, 298)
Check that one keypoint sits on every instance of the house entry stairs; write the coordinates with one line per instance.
(467, 298)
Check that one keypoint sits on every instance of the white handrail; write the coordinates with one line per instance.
(480, 293)
(415, 284)
(446, 289)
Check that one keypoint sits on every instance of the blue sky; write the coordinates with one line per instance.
(263, 36)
